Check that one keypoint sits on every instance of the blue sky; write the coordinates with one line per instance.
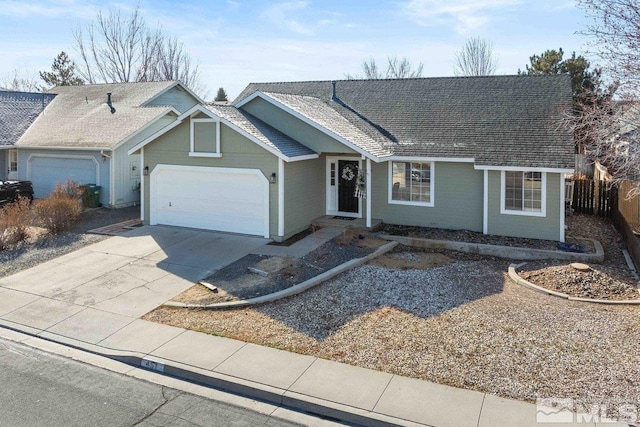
(236, 41)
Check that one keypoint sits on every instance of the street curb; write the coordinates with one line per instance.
(509, 252)
(519, 280)
(215, 380)
(293, 290)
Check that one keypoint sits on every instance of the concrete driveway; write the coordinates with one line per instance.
(91, 293)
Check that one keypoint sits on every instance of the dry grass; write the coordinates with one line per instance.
(15, 219)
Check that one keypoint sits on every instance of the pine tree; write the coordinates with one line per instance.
(62, 72)
(586, 84)
(221, 96)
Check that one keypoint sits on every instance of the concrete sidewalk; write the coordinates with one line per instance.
(55, 307)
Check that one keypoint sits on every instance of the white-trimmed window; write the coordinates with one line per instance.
(523, 193)
(411, 183)
(205, 138)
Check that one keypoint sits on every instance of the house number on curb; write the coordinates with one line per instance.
(150, 364)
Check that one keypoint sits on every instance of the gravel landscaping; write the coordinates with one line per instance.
(598, 282)
(475, 237)
(455, 319)
(611, 280)
(42, 247)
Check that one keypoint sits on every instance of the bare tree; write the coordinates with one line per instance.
(611, 131)
(615, 29)
(117, 48)
(609, 127)
(370, 70)
(475, 59)
(396, 69)
(20, 81)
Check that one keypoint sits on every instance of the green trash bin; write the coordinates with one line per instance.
(94, 196)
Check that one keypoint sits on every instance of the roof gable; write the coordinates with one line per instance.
(244, 123)
(331, 120)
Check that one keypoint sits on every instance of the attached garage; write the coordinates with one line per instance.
(211, 198)
(45, 171)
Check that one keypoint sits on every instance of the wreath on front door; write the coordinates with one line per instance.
(347, 173)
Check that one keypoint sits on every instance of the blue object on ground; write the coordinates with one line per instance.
(571, 247)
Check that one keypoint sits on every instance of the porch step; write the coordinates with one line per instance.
(357, 223)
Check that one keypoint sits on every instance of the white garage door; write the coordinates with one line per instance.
(45, 172)
(222, 199)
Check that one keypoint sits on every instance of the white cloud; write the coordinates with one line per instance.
(50, 9)
(465, 15)
(297, 17)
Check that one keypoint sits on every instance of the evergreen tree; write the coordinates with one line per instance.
(62, 72)
(221, 96)
(586, 84)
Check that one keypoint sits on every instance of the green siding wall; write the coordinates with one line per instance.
(458, 198)
(547, 228)
(305, 194)
(295, 128)
(3, 164)
(237, 152)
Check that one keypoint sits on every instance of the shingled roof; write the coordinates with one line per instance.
(497, 120)
(17, 111)
(260, 130)
(79, 117)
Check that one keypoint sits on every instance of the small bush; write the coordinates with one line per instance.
(69, 189)
(61, 210)
(14, 220)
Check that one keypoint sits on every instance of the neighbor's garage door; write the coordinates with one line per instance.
(223, 199)
(45, 172)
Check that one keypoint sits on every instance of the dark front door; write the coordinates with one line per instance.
(347, 174)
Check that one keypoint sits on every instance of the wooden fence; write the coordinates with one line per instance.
(600, 198)
(629, 206)
(594, 197)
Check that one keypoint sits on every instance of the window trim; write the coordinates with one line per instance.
(192, 152)
(543, 195)
(432, 187)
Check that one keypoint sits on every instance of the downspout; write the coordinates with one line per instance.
(485, 204)
(280, 197)
(142, 193)
(368, 183)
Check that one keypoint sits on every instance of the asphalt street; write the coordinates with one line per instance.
(42, 389)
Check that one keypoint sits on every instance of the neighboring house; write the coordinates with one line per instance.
(477, 153)
(85, 132)
(17, 111)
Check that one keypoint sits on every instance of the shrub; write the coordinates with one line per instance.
(14, 220)
(69, 189)
(61, 209)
